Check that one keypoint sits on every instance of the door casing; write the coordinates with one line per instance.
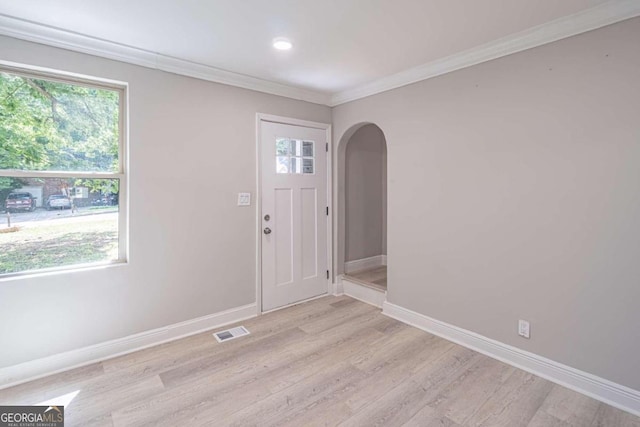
(261, 117)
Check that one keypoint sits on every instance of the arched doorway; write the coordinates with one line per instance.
(362, 210)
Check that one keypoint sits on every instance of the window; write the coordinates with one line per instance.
(294, 156)
(62, 172)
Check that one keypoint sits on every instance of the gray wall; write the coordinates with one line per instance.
(514, 193)
(365, 191)
(187, 137)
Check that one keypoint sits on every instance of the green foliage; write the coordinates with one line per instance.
(106, 186)
(46, 125)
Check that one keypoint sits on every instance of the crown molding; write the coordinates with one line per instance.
(587, 20)
(596, 17)
(51, 36)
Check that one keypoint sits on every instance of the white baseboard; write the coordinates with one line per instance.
(338, 288)
(28, 371)
(363, 293)
(364, 263)
(606, 391)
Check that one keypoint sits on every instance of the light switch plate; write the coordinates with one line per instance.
(524, 329)
(244, 199)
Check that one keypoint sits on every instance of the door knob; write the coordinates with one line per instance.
(267, 230)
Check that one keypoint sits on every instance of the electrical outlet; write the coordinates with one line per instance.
(523, 328)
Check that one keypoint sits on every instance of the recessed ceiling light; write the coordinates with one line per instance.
(281, 43)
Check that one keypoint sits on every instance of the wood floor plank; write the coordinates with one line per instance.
(394, 370)
(338, 317)
(401, 403)
(464, 396)
(573, 408)
(514, 404)
(97, 408)
(230, 388)
(382, 370)
(608, 416)
(280, 408)
(210, 365)
(376, 276)
(50, 387)
(429, 417)
(543, 419)
(159, 358)
(330, 361)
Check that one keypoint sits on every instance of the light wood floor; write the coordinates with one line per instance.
(375, 277)
(327, 362)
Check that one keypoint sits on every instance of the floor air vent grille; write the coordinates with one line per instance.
(230, 334)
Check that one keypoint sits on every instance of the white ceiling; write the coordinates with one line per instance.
(338, 44)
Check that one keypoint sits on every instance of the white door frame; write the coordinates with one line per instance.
(261, 117)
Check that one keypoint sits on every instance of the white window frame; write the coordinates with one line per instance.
(121, 174)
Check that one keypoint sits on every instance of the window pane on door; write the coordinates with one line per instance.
(283, 147)
(307, 165)
(282, 164)
(295, 156)
(307, 148)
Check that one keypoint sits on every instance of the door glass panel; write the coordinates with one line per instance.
(282, 147)
(282, 164)
(294, 156)
(307, 148)
(307, 165)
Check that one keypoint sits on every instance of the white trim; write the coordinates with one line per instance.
(121, 175)
(587, 20)
(262, 117)
(51, 36)
(294, 122)
(51, 271)
(363, 293)
(296, 303)
(606, 391)
(32, 370)
(330, 266)
(338, 288)
(62, 76)
(21, 173)
(365, 263)
(590, 19)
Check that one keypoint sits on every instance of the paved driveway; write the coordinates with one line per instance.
(41, 214)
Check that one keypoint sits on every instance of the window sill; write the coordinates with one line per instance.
(8, 277)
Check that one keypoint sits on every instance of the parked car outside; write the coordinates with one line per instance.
(20, 201)
(106, 200)
(58, 201)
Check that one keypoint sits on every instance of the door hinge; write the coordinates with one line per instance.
(327, 210)
(327, 147)
(327, 274)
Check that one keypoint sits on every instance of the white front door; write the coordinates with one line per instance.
(294, 213)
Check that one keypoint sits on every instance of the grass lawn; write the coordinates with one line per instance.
(54, 245)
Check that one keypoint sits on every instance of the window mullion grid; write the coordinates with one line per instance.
(13, 173)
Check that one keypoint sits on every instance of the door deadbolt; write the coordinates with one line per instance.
(267, 217)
